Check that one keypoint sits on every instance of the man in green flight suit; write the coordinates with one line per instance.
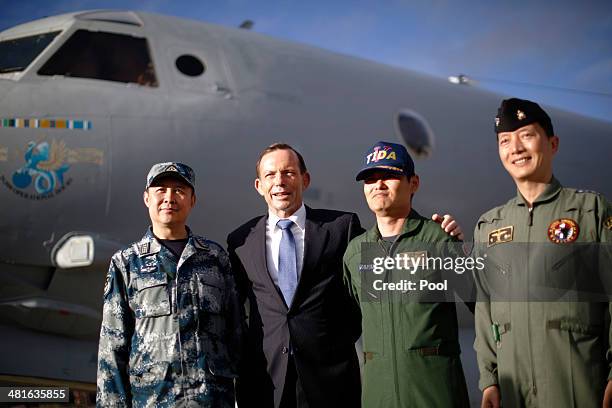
(535, 349)
(410, 343)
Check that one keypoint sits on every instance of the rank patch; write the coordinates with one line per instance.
(563, 231)
(587, 191)
(143, 248)
(501, 235)
(608, 223)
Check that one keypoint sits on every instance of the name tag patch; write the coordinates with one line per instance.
(501, 235)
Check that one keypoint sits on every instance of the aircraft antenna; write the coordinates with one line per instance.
(247, 24)
(463, 79)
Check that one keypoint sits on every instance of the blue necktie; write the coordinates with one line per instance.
(287, 262)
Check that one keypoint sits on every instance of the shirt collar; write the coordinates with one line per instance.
(413, 221)
(149, 244)
(298, 217)
(551, 191)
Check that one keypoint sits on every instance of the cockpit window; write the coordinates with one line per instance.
(18, 53)
(106, 56)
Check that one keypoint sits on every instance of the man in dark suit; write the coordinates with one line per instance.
(300, 345)
(303, 324)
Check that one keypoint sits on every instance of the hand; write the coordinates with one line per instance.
(449, 225)
(607, 401)
(491, 397)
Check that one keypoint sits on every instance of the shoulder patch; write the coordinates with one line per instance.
(501, 235)
(201, 243)
(107, 285)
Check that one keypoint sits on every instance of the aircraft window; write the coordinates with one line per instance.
(190, 65)
(107, 56)
(18, 53)
(415, 132)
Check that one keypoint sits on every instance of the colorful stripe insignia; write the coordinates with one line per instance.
(45, 123)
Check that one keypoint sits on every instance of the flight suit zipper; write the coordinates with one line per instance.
(529, 225)
(391, 319)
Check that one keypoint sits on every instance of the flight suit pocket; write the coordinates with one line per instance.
(500, 318)
(585, 339)
(151, 299)
(572, 273)
(495, 279)
(373, 333)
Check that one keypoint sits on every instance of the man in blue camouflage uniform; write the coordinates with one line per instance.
(172, 323)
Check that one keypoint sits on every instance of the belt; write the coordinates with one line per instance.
(446, 349)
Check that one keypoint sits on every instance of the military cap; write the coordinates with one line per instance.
(515, 113)
(387, 157)
(171, 169)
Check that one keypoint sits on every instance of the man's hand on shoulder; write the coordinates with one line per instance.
(449, 225)
(491, 397)
(607, 400)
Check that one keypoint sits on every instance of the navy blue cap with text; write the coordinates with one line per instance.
(387, 157)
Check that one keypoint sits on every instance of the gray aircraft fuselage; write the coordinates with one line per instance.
(77, 167)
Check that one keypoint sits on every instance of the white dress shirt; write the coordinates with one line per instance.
(273, 239)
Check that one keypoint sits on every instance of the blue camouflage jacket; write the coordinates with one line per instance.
(171, 328)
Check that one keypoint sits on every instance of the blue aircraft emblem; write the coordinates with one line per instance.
(45, 165)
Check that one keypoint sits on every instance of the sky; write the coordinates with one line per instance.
(555, 52)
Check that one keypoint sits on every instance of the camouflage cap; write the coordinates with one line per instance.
(171, 169)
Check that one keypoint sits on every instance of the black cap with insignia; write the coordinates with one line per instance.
(515, 113)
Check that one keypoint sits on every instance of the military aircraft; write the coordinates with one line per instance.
(90, 100)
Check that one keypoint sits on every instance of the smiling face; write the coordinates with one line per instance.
(280, 182)
(390, 195)
(169, 201)
(527, 153)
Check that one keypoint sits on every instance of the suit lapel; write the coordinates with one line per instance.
(315, 239)
(255, 249)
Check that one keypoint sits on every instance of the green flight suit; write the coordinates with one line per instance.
(543, 351)
(411, 348)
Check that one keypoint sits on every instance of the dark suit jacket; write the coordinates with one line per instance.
(322, 323)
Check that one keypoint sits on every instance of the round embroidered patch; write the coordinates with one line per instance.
(563, 231)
